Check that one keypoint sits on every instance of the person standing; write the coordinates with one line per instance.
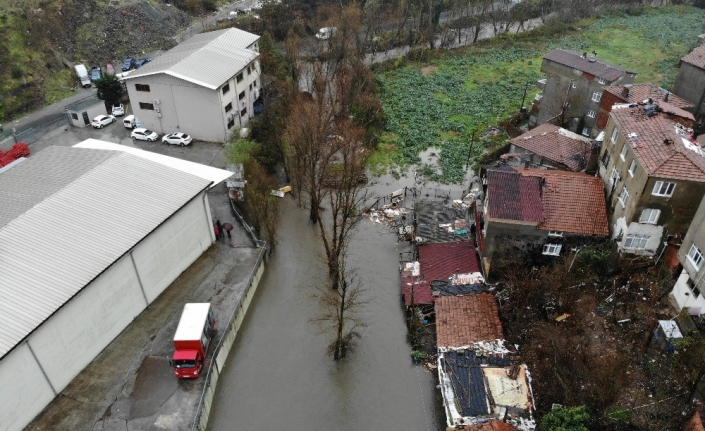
(220, 229)
(227, 227)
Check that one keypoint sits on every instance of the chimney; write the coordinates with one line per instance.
(625, 90)
(665, 98)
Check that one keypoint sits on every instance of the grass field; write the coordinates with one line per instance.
(446, 101)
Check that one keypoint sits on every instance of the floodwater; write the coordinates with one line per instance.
(278, 374)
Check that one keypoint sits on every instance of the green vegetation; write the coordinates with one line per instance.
(565, 419)
(480, 86)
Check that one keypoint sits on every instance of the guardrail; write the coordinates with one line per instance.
(227, 340)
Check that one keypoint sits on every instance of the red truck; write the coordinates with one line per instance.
(193, 336)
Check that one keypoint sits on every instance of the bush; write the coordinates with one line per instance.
(565, 419)
(16, 72)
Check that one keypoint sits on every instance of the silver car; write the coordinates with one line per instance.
(143, 134)
(181, 139)
(102, 120)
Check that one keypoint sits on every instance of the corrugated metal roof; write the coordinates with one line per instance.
(207, 59)
(72, 213)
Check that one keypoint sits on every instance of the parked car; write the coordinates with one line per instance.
(180, 139)
(128, 64)
(130, 122)
(96, 73)
(141, 62)
(119, 110)
(143, 134)
(102, 120)
(109, 69)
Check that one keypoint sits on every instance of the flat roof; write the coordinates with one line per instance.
(192, 320)
(216, 175)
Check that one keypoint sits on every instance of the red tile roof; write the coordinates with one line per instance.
(648, 136)
(463, 320)
(513, 197)
(641, 92)
(440, 261)
(695, 423)
(557, 145)
(490, 425)
(572, 202)
(696, 57)
(421, 293)
(598, 68)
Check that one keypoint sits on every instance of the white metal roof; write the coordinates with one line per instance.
(670, 328)
(68, 214)
(207, 59)
(193, 318)
(210, 173)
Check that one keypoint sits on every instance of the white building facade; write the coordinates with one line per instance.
(207, 87)
(687, 291)
(116, 231)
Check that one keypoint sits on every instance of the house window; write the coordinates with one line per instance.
(147, 106)
(624, 196)
(614, 176)
(601, 80)
(606, 158)
(662, 188)
(243, 112)
(241, 95)
(226, 88)
(142, 87)
(552, 249)
(248, 69)
(636, 241)
(596, 96)
(695, 257)
(591, 113)
(250, 86)
(74, 116)
(255, 84)
(586, 131)
(615, 132)
(554, 233)
(229, 107)
(623, 154)
(239, 77)
(632, 168)
(231, 123)
(649, 215)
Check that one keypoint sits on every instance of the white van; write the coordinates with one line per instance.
(83, 75)
(130, 122)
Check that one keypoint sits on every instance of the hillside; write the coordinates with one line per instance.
(39, 38)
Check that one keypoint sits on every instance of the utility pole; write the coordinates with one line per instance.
(526, 87)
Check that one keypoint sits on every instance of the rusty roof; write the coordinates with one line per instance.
(572, 202)
(490, 425)
(441, 260)
(641, 92)
(597, 68)
(557, 145)
(513, 197)
(463, 320)
(696, 57)
(416, 292)
(648, 136)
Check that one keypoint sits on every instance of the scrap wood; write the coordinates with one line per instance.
(562, 317)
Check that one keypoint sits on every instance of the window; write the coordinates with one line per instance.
(624, 196)
(606, 158)
(239, 77)
(614, 176)
(636, 241)
(226, 88)
(231, 123)
(552, 249)
(142, 87)
(248, 69)
(632, 168)
(615, 132)
(554, 233)
(255, 84)
(662, 188)
(241, 95)
(596, 96)
(623, 154)
(591, 113)
(147, 106)
(74, 116)
(695, 257)
(229, 107)
(649, 215)
(250, 86)
(586, 131)
(601, 80)
(243, 112)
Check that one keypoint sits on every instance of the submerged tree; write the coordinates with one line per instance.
(340, 308)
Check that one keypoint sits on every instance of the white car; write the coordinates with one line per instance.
(118, 110)
(181, 139)
(102, 120)
(143, 134)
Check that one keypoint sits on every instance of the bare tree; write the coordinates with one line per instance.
(339, 316)
(260, 204)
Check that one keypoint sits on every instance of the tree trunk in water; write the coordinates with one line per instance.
(313, 213)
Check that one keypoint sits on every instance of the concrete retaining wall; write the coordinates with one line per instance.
(226, 343)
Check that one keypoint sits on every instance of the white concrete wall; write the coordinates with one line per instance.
(175, 245)
(654, 231)
(684, 297)
(24, 391)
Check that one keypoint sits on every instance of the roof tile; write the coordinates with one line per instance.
(514, 197)
(598, 68)
(556, 144)
(463, 320)
(641, 92)
(696, 57)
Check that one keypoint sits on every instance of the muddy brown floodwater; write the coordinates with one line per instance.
(278, 375)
